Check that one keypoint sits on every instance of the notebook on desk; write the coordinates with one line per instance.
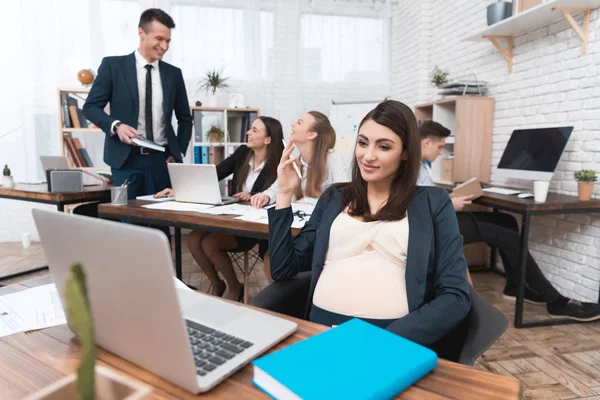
(355, 360)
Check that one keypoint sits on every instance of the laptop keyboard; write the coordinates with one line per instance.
(212, 348)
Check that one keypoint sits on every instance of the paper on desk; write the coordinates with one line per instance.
(231, 209)
(179, 206)
(31, 309)
(151, 197)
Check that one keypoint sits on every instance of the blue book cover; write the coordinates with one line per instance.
(355, 360)
(204, 155)
(196, 154)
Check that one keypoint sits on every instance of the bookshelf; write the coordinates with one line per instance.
(234, 122)
(77, 134)
(468, 149)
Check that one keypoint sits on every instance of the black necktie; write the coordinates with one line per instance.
(149, 128)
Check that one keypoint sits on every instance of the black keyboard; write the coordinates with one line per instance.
(212, 348)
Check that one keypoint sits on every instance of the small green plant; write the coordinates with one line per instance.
(215, 134)
(214, 80)
(6, 170)
(439, 77)
(78, 310)
(585, 175)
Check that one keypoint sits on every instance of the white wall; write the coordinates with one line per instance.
(32, 78)
(552, 84)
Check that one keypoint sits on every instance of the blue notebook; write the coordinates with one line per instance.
(355, 360)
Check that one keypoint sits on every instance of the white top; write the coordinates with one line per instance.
(364, 273)
(252, 175)
(424, 178)
(338, 169)
(158, 117)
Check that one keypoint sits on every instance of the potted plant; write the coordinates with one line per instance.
(213, 81)
(7, 179)
(92, 381)
(439, 77)
(585, 186)
(215, 134)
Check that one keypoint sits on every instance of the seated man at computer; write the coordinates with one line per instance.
(500, 230)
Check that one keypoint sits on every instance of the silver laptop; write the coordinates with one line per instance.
(54, 162)
(143, 314)
(197, 183)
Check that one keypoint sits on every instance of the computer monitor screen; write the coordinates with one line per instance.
(534, 153)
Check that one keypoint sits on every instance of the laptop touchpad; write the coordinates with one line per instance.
(214, 313)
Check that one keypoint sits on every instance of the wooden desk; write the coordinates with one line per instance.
(554, 204)
(134, 211)
(39, 193)
(29, 362)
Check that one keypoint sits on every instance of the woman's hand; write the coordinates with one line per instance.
(259, 200)
(287, 177)
(242, 196)
(165, 193)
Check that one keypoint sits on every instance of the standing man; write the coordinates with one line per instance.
(143, 91)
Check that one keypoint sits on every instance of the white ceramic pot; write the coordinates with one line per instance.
(7, 181)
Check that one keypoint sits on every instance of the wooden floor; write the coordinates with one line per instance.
(561, 362)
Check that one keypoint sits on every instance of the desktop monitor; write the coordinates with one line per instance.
(533, 153)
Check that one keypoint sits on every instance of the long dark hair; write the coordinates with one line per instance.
(400, 119)
(274, 150)
(324, 142)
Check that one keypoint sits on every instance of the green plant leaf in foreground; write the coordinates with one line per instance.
(78, 310)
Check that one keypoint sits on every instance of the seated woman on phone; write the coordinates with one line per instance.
(254, 169)
(380, 248)
(319, 165)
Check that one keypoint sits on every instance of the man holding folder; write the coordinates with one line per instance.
(143, 92)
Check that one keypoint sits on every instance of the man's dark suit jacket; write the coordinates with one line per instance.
(436, 277)
(116, 84)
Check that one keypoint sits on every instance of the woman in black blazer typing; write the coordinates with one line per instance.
(380, 248)
(254, 169)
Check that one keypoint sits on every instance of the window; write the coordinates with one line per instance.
(238, 40)
(119, 22)
(338, 49)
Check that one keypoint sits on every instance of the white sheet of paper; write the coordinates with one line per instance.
(179, 206)
(31, 309)
(231, 209)
(307, 208)
(151, 197)
(180, 285)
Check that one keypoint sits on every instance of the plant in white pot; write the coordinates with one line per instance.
(92, 381)
(7, 179)
(213, 80)
(215, 134)
(586, 179)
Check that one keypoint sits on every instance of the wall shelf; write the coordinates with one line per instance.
(502, 33)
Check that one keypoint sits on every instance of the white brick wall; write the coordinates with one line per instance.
(552, 84)
(285, 98)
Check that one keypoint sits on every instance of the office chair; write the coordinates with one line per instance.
(482, 327)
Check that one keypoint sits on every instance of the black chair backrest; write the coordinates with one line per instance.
(485, 325)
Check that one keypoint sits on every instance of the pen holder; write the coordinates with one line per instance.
(118, 196)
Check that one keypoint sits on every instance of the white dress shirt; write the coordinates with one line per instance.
(158, 116)
(252, 175)
(424, 178)
(337, 170)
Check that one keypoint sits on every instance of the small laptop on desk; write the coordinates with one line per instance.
(188, 338)
(197, 183)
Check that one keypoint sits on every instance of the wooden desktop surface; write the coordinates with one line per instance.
(554, 202)
(40, 193)
(29, 362)
(228, 223)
